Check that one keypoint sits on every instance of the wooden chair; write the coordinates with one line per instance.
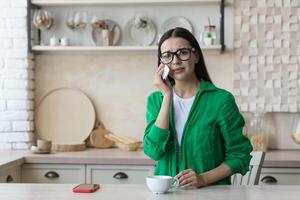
(252, 176)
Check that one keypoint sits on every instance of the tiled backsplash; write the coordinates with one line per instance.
(267, 41)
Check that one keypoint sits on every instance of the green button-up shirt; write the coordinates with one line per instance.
(212, 135)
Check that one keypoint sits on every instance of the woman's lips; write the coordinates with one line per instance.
(178, 70)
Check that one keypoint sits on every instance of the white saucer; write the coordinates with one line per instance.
(40, 151)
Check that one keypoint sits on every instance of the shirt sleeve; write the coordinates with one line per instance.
(237, 146)
(155, 138)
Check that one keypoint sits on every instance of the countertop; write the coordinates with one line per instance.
(282, 158)
(141, 192)
(114, 156)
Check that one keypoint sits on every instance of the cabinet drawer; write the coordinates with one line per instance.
(280, 176)
(52, 173)
(11, 175)
(118, 174)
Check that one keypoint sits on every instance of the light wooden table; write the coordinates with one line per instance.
(141, 192)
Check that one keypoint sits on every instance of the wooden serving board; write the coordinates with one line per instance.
(68, 147)
(65, 116)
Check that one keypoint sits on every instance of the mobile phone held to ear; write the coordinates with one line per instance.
(166, 72)
(86, 188)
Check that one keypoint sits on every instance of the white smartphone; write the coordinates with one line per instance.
(166, 72)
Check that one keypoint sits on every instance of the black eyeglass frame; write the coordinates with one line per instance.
(177, 55)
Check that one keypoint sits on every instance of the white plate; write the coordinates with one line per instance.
(65, 116)
(97, 33)
(176, 22)
(140, 36)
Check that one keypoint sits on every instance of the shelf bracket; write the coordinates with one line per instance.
(222, 38)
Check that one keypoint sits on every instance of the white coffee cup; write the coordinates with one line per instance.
(161, 184)
(64, 41)
(54, 41)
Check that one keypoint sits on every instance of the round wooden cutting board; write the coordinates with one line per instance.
(65, 116)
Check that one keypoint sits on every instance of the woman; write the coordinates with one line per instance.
(194, 129)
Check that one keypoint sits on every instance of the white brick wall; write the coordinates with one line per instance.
(16, 77)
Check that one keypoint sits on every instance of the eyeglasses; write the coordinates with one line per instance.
(182, 54)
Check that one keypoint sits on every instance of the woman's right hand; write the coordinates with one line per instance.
(163, 85)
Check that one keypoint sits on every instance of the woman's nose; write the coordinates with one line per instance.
(175, 60)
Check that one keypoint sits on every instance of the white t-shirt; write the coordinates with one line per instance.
(182, 108)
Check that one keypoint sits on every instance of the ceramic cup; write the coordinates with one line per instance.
(64, 41)
(54, 41)
(44, 145)
(161, 184)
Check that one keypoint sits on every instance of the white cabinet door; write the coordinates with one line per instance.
(280, 176)
(118, 174)
(10, 175)
(53, 173)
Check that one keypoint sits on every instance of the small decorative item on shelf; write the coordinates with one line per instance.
(209, 34)
(107, 32)
(54, 41)
(42, 19)
(140, 30)
(77, 20)
(140, 22)
(296, 129)
(257, 132)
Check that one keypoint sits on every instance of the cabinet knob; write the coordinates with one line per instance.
(52, 175)
(120, 175)
(9, 179)
(268, 179)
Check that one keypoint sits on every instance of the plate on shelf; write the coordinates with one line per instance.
(97, 33)
(176, 22)
(143, 36)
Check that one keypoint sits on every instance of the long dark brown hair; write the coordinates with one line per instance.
(200, 67)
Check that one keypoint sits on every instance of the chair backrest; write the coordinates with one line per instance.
(252, 176)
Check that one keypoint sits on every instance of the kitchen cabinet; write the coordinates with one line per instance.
(10, 175)
(280, 176)
(118, 174)
(53, 173)
(121, 11)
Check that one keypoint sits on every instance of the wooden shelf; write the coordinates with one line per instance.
(106, 48)
(118, 2)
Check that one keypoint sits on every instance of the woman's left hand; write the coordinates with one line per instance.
(189, 178)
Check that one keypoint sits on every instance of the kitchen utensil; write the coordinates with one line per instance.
(98, 139)
(123, 142)
(65, 116)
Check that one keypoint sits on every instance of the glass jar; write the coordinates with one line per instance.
(257, 131)
(209, 35)
(296, 129)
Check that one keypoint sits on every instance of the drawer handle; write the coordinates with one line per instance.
(52, 175)
(120, 175)
(9, 179)
(268, 179)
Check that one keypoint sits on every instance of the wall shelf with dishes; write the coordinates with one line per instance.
(120, 25)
